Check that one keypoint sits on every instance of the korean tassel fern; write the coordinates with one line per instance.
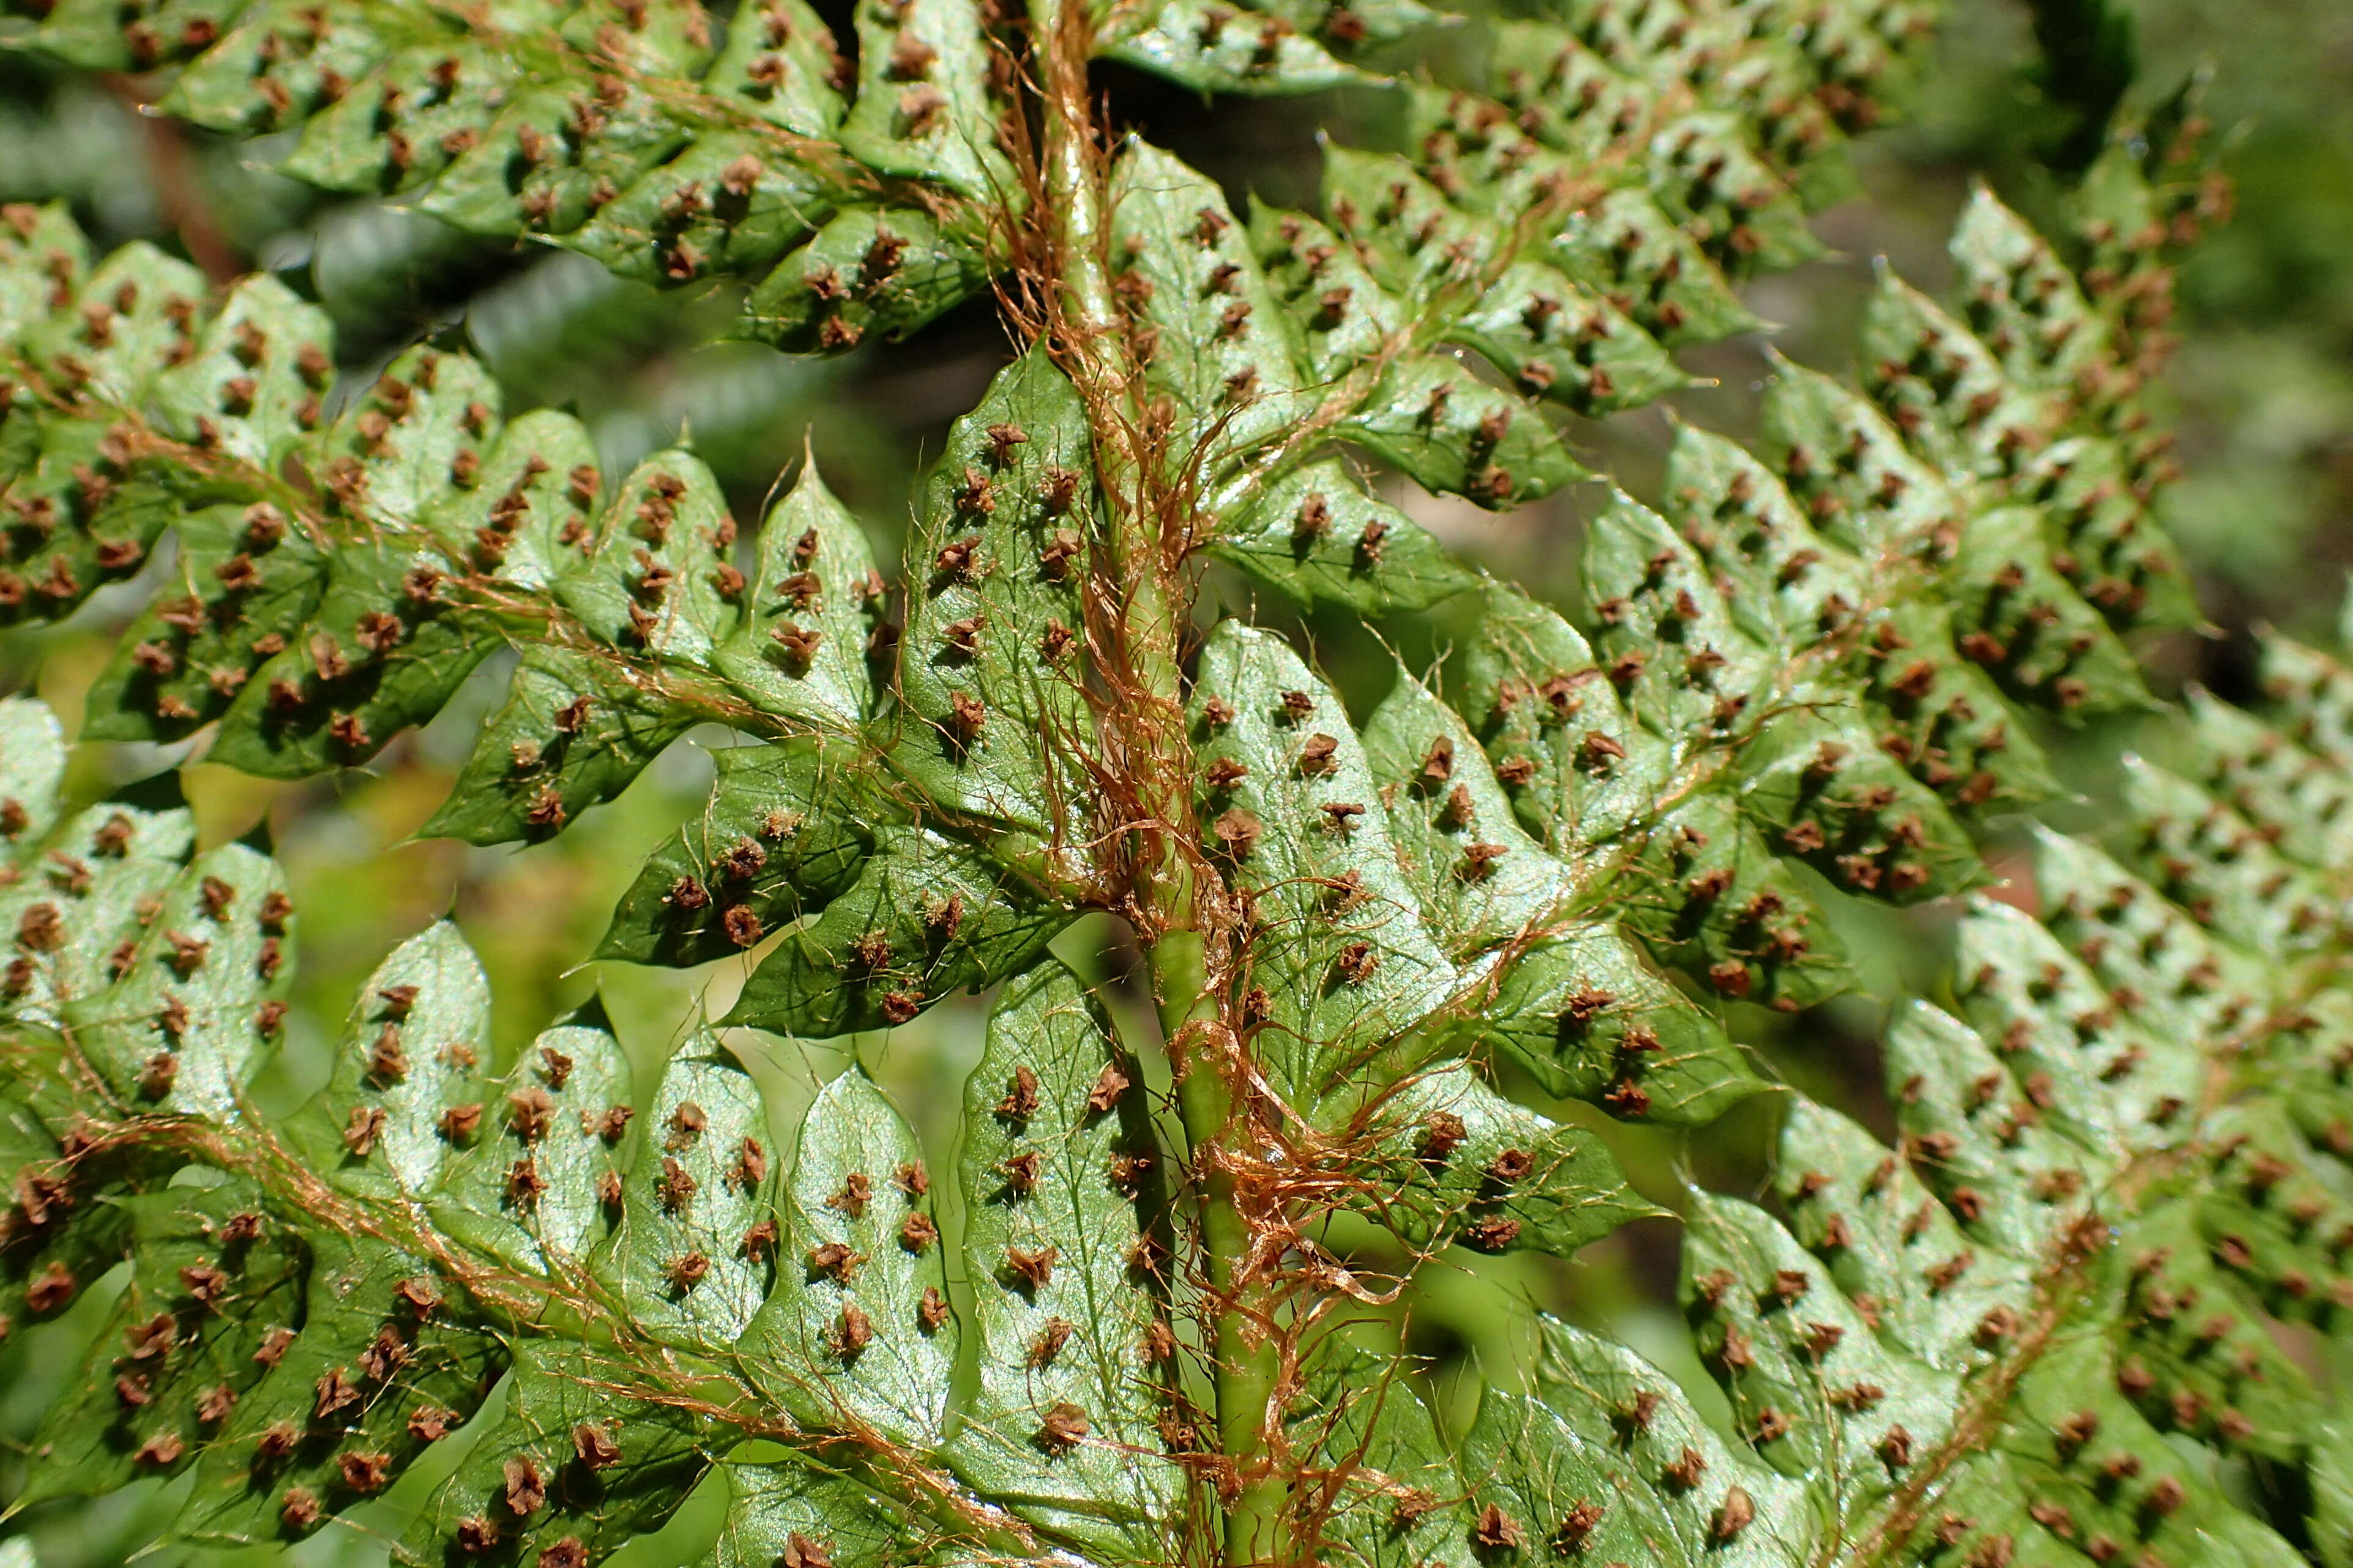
(2051, 1323)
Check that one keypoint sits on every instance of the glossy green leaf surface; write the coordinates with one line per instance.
(1289, 801)
(1068, 1276)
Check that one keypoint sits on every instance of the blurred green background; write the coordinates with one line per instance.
(2261, 394)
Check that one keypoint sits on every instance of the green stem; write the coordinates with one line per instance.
(1145, 741)
(1075, 198)
(1245, 1372)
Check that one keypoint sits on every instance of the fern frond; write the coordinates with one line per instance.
(2043, 1323)
(455, 1222)
(637, 134)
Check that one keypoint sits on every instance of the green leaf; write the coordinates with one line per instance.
(1211, 48)
(43, 257)
(2210, 1374)
(1714, 899)
(361, 1382)
(1537, 1483)
(1664, 632)
(2153, 168)
(1625, 248)
(1744, 1274)
(2311, 695)
(1453, 1160)
(2107, 537)
(221, 90)
(1419, 244)
(927, 916)
(1869, 51)
(198, 1003)
(2057, 1322)
(1639, 1432)
(1771, 84)
(1579, 103)
(523, 511)
(412, 1049)
(1358, 25)
(212, 1267)
(813, 603)
(1945, 720)
(1944, 387)
(104, 867)
(385, 648)
(662, 578)
(2036, 1461)
(1475, 149)
(2146, 952)
(393, 451)
(988, 668)
(1342, 961)
(574, 730)
(2109, 1079)
(1862, 487)
(1589, 1020)
(1398, 1489)
(927, 107)
(1316, 535)
(1450, 431)
(728, 207)
(1789, 587)
(496, 187)
(1579, 770)
(1068, 1276)
(247, 588)
(2022, 300)
(1701, 168)
(2211, 860)
(2299, 803)
(2278, 1197)
(371, 143)
(1204, 322)
(779, 63)
(57, 1244)
(634, 129)
(1561, 341)
(129, 314)
(2027, 624)
(1888, 1243)
(2318, 1099)
(789, 1504)
(32, 770)
(1427, 413)
(688, 1256)
(2332, 1485)
(251, 389)
(1480, 879)
(577, 1453)
(80, 473)
(787, 829)
(2012, 1182)
(1819, 784)
(869, 271)
(533, 1166)
(1339, 315)
(671, 38)
(858, 1333)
